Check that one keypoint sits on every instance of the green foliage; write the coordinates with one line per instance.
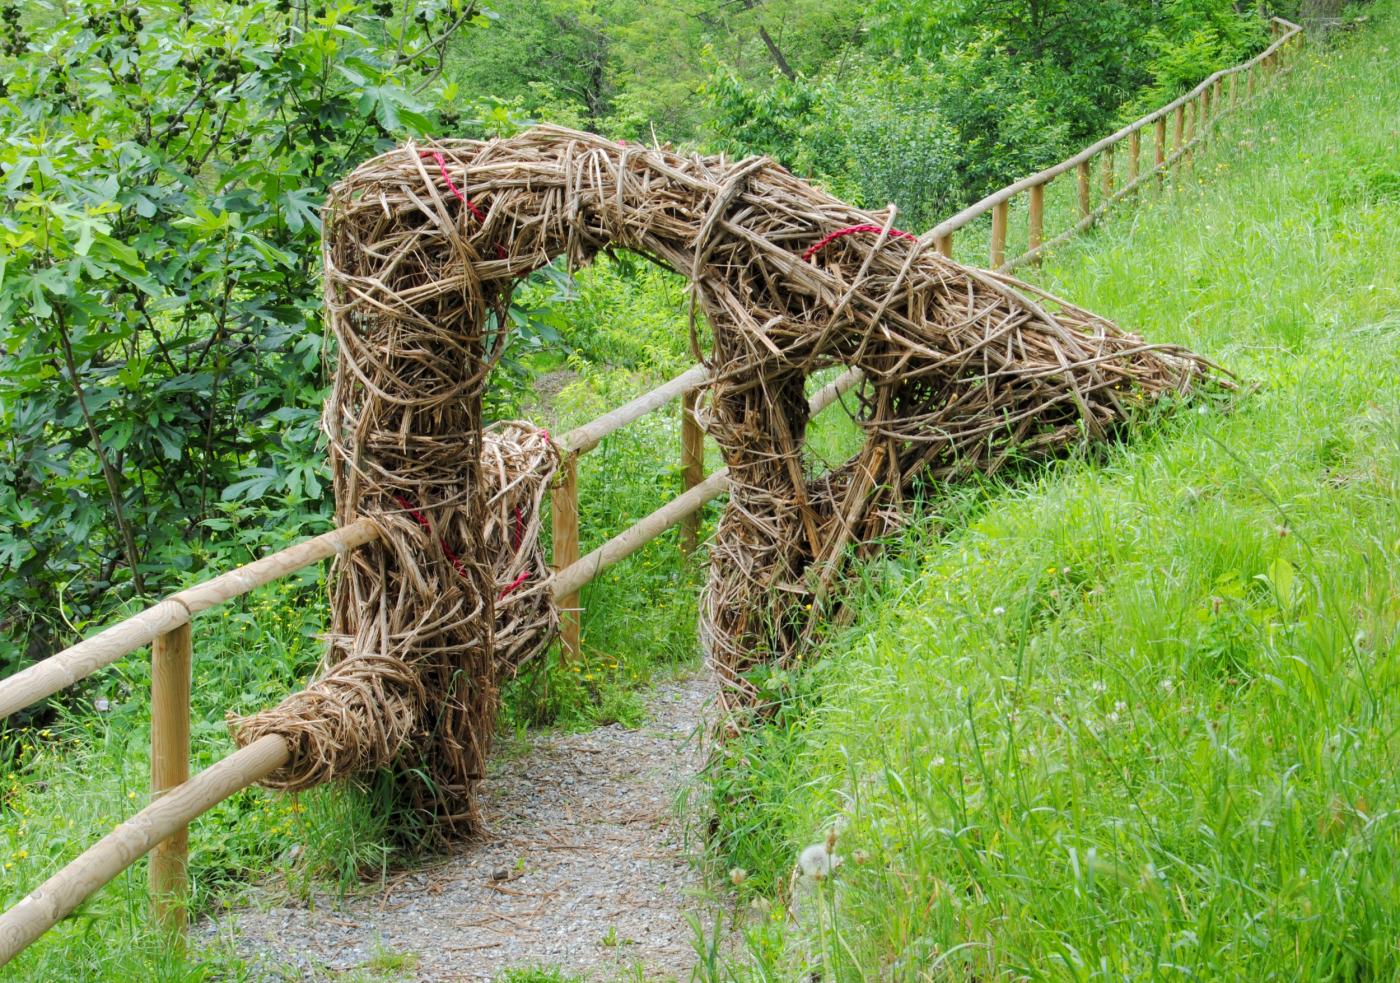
(632, 69)
(1196, 39)
(947, 100)
(1137, 717)
(548, 57)
(622, 312)
(541, 974)
(161, 172)
(874, 141)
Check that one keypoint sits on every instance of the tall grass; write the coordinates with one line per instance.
(65, 783)
(1137, 717)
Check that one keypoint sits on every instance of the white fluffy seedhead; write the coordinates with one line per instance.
(817, 862)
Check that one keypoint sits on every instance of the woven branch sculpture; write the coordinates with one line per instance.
(964, 371)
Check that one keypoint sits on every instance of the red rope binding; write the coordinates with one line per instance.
(457, 564)
(850, 230)
(524, 576)
(472, 207)
(477, 213)
(452, 557)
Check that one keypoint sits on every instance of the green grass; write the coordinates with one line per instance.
(67, 782)
(1137, 717)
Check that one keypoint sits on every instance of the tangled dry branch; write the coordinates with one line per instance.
(964, 371)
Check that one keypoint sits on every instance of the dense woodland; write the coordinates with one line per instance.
(162, 363)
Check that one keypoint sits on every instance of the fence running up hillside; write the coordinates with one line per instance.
(160, 827)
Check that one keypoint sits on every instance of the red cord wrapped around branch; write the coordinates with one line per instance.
(850, 230)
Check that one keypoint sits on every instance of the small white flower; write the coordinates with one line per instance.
(1120, 707)
(1168, 685)
(998, 610)
(1100, 686)
(937, 762)
(101, 704)
(1113, 717)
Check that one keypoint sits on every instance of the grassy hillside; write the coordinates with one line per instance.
(1138, 717)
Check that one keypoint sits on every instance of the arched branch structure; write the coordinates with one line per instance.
(965, 370)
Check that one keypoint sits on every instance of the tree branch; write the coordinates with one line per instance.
(113, 486)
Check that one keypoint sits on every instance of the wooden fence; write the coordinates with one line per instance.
(177, 799)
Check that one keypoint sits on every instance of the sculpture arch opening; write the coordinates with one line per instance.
(963, 370)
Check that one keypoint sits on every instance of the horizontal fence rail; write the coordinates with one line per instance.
(58, 896)
(178, 799)
(45, 678)
(998, 201)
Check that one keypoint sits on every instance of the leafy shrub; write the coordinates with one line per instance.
(161, 172)
(947, 100)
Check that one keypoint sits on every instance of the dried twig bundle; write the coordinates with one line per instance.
(423, 245)
(369, 705)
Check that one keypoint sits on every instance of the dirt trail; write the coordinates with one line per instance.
(582, 867)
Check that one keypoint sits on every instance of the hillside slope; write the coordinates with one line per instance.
(1138, 717)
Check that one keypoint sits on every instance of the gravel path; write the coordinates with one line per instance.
(582, 866)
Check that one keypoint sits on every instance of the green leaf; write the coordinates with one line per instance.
(1281, 577)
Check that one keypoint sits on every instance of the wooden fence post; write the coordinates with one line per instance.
(945, 245)
(1084, 189)
(692, 464)
(563, 507)
(1193, 115)
(171, 655)
(1037, 217)
(1249, 83)
(998, 244)
(1134, 153)
(1160, 156)
(1178, 140)
(1108, 175)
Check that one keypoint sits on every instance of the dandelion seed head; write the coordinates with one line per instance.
(817, 863)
